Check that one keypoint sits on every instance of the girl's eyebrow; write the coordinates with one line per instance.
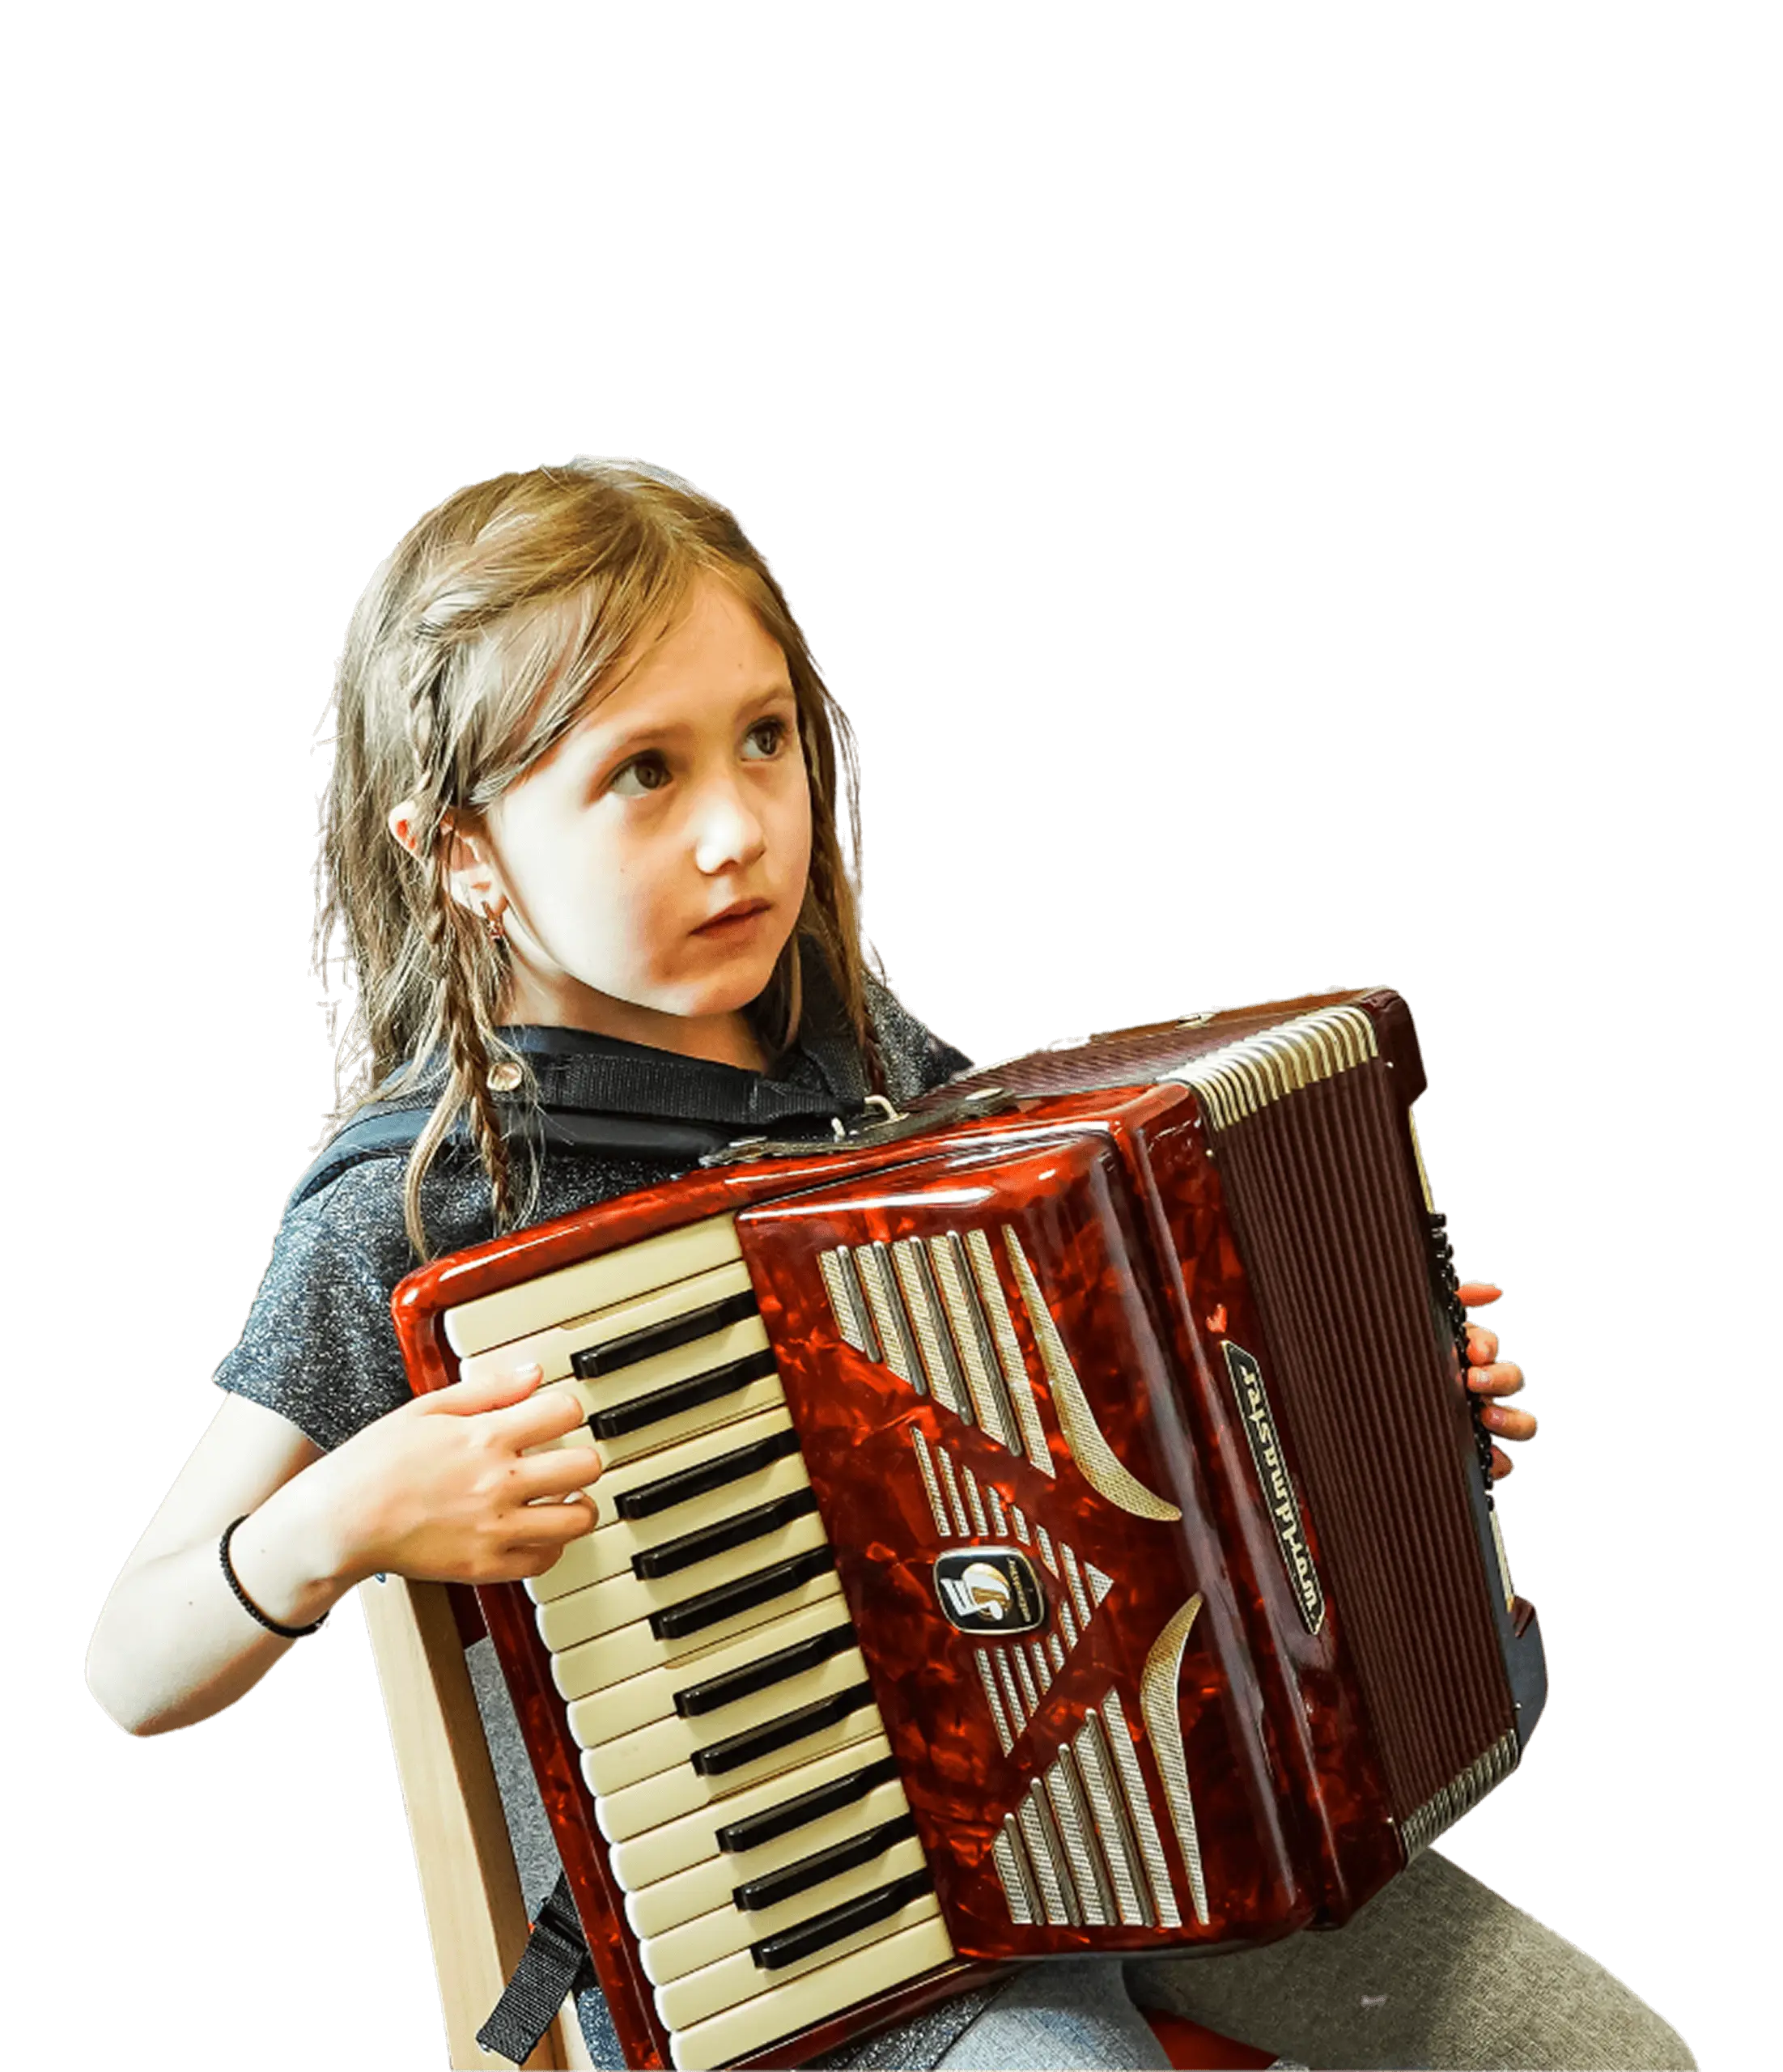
(675, 729)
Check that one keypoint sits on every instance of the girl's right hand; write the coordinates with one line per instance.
(445, 1489)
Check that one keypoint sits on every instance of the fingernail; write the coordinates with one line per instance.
(529, 1371)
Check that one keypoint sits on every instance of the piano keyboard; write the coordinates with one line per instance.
(701, 1645)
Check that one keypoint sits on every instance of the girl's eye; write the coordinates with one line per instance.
(655, 759)
(643, 775)
(771, 733)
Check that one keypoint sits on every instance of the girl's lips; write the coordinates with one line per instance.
(727, 923)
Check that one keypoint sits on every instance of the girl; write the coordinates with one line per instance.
(583, 820)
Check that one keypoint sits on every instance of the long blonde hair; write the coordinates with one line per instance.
(477, 644)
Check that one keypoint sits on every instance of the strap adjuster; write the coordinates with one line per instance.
(554, 1964)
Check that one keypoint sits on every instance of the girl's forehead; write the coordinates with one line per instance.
(696, 672)
(670, 713)
(686, 672)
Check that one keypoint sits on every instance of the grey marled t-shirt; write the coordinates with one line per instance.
(319, 1348)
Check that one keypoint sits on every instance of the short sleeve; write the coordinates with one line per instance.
(319, 1346)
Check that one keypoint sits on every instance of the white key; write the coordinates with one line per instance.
(764, 1393)
(613, 1765)
(574, 1292)
(616, 1482)
(784, 2010)
(640, 1700)
(728, 1930)
(670, 1901)
(621, 1600)
(601, 1554)
(555, 1347)
(682, 1363)
(668, 1849)
(611, 1658)
(659, 1799)
(700, 1994)
(679, 1363)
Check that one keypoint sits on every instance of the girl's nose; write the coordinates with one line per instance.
(731, 825)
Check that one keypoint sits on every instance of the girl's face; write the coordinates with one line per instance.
(680, 795)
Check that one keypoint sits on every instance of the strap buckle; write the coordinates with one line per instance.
(859, 1134)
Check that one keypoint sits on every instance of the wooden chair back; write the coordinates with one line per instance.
(476, 1916)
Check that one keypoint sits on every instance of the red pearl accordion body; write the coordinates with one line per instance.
(1154, 1347)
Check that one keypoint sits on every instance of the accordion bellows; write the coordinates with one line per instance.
(1053, 1522)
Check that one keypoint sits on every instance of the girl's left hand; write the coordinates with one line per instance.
(1487, 1375)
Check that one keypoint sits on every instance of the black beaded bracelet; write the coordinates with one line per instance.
(248, 1604)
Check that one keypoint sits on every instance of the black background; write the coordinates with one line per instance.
(1144, 727)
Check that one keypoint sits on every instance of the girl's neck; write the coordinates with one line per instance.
(725, 1040)
(719, 1040)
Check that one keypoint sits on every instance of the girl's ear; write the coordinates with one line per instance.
(473, 875)
(401, 823)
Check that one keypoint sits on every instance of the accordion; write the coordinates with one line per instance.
(1051, 1520)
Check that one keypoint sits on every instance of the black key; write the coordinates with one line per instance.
(761, 1893)
(718, 1759)
(790, 1944)
(693, 1614)
(817, 1804)
(673, 1555)
(593, 1361)
(721, 1691)
(649, 1498)
(659, 1404)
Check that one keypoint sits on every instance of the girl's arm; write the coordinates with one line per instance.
(444, 1489)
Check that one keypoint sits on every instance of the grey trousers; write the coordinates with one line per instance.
(1436, 1972)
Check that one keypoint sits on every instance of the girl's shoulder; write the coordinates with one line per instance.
(354, 1225)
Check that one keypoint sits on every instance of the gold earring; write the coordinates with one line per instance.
(492, 922)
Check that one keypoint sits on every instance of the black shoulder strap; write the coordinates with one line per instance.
(620, 1100)
(389, 1130)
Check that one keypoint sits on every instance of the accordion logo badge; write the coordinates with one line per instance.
(989, 1590)
(1297, 1556)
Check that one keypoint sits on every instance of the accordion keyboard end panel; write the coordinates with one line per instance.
(1131, 1538)
(1152, 1524)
